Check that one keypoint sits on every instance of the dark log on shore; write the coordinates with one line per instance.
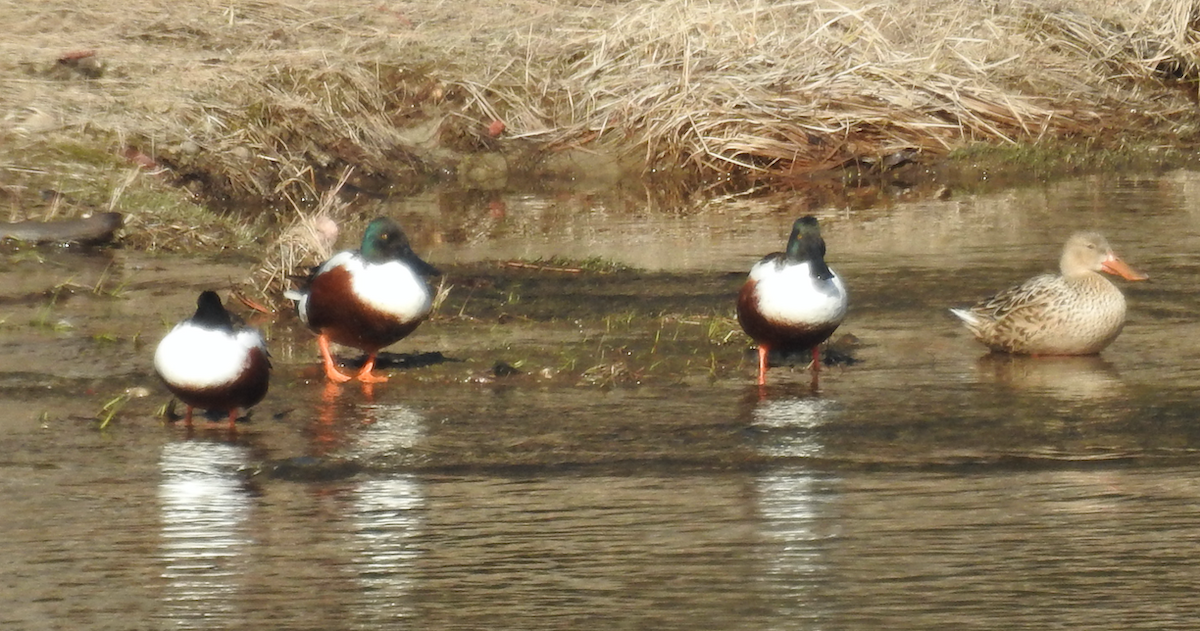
(93, 230)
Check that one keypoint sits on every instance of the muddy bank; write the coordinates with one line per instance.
(210, 128)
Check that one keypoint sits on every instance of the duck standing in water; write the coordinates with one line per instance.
(1077, 312)
(213, 361)
(368, 298)
(792, 300)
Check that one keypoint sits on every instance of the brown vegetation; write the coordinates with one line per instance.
(270, 101)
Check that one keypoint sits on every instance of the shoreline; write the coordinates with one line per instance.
(221, 121)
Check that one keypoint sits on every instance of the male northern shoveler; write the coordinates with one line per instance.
(792, 300)
(1077, 312)
(213, 361)
(368, 299)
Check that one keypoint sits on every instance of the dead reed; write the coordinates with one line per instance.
(267, 101)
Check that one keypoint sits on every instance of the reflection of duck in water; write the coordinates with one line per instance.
(206, 508)
(798, 518)
(790, 427)
(214, 362)
(1087, 377)
(369, 298)
(1077, 312)
(792, 300)
(388, 519)
(388, 435)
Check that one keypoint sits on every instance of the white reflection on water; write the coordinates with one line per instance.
(387, 517)
(790, 425)
(205, 509)
(387, 521)
(791, 506)
(390, 429)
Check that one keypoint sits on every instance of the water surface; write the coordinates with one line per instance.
(929, 485)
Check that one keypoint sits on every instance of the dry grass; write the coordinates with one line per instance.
(305, 243)
(270, 101)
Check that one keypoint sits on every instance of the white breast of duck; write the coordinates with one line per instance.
(196, 357)
(789, 293)
(390, 287)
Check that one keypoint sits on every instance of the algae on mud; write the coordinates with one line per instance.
(613, 328)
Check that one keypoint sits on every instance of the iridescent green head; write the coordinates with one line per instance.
(805, 245)
(805, 242)
(384, 241)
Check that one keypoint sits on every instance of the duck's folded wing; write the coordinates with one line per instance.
(1027, 300)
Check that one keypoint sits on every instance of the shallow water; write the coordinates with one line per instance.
(929, 485)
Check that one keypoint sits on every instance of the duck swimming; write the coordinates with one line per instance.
(1075, 312)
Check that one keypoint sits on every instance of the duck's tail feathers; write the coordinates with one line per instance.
(966, 316)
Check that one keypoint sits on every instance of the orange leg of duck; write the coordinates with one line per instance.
(816, 368)
(331, 371)
(187, 417)
(233, 414)
(764, 350)
(366, 376)
(762, 364)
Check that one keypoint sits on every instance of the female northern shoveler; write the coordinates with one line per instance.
(368, 299)
(1077, 312)
(792, 300)
(213, 361)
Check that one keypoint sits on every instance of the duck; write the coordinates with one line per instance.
(792, 300)
(368, 298)
(213, 361)
(1075, 312)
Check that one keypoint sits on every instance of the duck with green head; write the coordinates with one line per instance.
(792, 300)
(368, 298)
